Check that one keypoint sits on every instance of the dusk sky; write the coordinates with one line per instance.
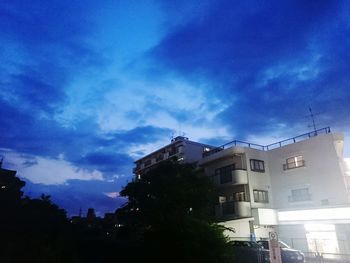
(88, 87)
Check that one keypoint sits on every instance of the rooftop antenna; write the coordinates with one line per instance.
(312, 118)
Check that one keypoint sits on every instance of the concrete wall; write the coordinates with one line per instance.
(192, 151)
(258, 180)
(240, 229)
(322, 173)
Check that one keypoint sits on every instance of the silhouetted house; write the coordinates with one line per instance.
(10, 185)
(91, 216)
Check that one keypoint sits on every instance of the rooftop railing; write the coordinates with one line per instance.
(237, 143)
(298, 138)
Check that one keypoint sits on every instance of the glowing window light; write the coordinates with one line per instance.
(315, 214)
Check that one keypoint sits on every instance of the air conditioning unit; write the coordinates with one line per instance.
(222, 199)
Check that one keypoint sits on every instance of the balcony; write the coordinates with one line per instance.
(159, 158)
(233, 209)
(239, 177)
(236, 177)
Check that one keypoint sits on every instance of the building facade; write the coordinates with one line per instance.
(298, 187)
(180, 148)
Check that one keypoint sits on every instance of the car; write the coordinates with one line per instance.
(249, 252)
(288, 254)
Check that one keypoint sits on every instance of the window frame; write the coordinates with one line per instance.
(227, 176)
(255, 165)
(261, 193)
(292, 198)
(294, 162)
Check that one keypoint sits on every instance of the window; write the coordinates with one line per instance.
(294, 162)
(240, 197)
(257, 165)
(179, 149)
(159, 157)
(299, 195)
(172, 151)
(261, 196)
(148, 162)
(225, 173)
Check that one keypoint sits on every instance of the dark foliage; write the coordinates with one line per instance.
(169, 216)
(168, 219)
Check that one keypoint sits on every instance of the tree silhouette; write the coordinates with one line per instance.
(169, 216)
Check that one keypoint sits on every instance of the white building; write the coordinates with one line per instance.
(180, 147)
(298, 187)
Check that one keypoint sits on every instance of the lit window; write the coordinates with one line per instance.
(294, 162)
(257, 165)
(299, 195)
(261, 196)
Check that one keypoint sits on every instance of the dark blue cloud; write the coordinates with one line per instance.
(235, 37)
(253, 54)
(139, 135)
(44, 48)
(30, 134)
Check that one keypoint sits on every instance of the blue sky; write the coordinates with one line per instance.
(87, 87)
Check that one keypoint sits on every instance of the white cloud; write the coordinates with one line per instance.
(48, 171)
(124, 104)
(113, 195)
(301, 70)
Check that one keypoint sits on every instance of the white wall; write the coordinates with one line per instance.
(192, 151)
(258, 180)
(322, 173)
(240, 227)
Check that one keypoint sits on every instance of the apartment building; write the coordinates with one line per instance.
(180, 147)
(298, 187)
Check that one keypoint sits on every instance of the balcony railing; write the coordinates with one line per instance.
(233, 209)
(228, 208)
(236, 177)
(159, 158)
